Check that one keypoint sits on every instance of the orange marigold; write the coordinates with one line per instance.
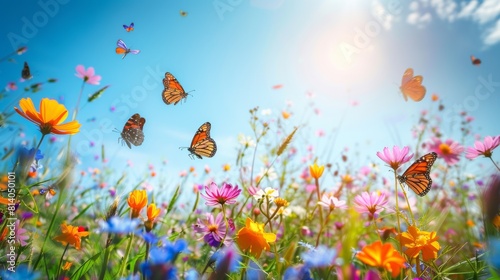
(416, 240)
(71, 235)
(253, 239)
(383, 256)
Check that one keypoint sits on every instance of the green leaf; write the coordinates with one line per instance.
(97, 94)
(85, 267)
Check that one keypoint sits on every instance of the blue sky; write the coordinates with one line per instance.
(231, 53)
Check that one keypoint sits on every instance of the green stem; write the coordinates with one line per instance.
(60, 261)
(494, 163)
(397, 208)
(127, 253)
(105, 259)
(78, 101)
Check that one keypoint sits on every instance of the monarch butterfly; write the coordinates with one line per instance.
(202, 144)
(417, 177)
(132, 131)
(26, 73)
(475, 61)
(122, 49)
(412, 86)
(173, 92)
(129, 28)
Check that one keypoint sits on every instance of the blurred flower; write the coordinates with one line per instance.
(484, 148)
(281, 202)
(396, 158)
(331, 202)
(119, 225)
(494, 252)
(88, 75)
(434, 97)
(67, 266)
(214, 230)
(322, 256)
(51, 115)
(383, 256)
(137, 200)
(161, 259)
(316, 170)
(448, 150)
(226, 261)
(21, 234)
(268, 193)
(416, 240)
(285, 114)
(227, 194)
(153, 212)
(11, 86)
(246, 141)
(226, 167)
(370, 203)
(300, 272)
(71, 235)
(253, 239)
(21, 272)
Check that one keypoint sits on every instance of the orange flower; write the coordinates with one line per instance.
(496, 221)
(226, 167)
(416, 240)
(137, 200)
(285, 114)
(71, 235)
(153, 212)
(316, 170)
(383, 256)
(253, 238)
(67, 266)
(50, 117)
(434, 97)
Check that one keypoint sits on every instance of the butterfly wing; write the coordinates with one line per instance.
(134, 51)
(475, 61)
(412, 86)
(121, 44)
(26, 73)
(173, 92)
(417, 176)
(132, 131)
(202, 144)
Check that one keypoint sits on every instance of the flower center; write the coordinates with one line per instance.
(421, 240)
(45, 128)
(445, 149)
(213, 228)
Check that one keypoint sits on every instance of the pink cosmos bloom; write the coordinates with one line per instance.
(21, 234)
(214, 195)
(88, 75)
(213, 229)
(484, 148)
(448, 150)
(331, 202)
(396, 158)
(370, 203)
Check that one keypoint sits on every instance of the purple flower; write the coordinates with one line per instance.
(225, 195)
(396, 158)
(214, 230)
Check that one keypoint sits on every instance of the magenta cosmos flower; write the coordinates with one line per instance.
(370, 203)
(214, 195)
(331, 202)
(448, 150)
(396, 158)
(88, 75)
(213, 229)
(484, 148)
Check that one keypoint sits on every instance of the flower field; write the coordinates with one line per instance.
(411, 212)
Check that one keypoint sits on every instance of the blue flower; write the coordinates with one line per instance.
(20, 273)
(168, 252)
(320, 257)
(494, 254)
(119, 225)
(297, 273)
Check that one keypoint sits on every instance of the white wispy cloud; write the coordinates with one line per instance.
(492, 36)
(382, 15)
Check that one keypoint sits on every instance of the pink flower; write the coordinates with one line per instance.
(331, 202)
(225, 195)
(448, 150)
(11, 86)
(396, 158)
(483, 148)
(21, 235)
(370, 203)
(214, 230)
(88, 75)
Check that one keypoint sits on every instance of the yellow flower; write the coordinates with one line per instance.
(253, 239)
(71, 235)
(316, 170)
(226, 167)
(383, 256)
(416, 240)
(137, 200)
(50, 117)
(281, 202)
(153, 212)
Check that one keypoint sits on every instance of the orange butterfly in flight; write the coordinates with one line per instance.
(121, 48)
(173, 92)
(132, 131)
(412, 86)
(202, 144)
(475, 61)
(417, 177)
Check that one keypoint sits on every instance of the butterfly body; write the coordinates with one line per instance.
(173, 91)
(411, 86)
(202, 144)
(121, 48)
(417, 176)
(129, 28)
(475, 61)
(132, 131)
(26, 73)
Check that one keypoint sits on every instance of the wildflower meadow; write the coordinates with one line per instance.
(289, 203)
